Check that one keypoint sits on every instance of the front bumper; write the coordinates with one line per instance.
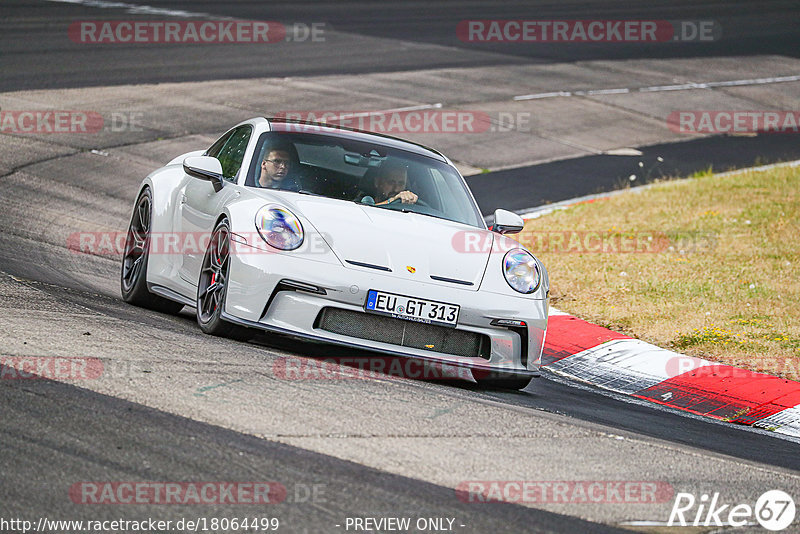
(285, 293)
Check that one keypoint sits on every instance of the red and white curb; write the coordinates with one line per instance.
(595, 355)
(588, 353)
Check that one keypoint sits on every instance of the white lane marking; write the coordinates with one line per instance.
(661, 88)
(755, 81)
(136, 9)
(626, 365)
(784, 422)
(624, 152)
(419, 107)
(543, 95)
(676, 87)
(620, 91)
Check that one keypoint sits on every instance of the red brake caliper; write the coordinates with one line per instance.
(214, 279)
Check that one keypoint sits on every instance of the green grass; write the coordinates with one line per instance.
(720, 281)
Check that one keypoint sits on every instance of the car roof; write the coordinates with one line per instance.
(288, 125)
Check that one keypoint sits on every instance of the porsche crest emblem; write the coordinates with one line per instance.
(410, 269)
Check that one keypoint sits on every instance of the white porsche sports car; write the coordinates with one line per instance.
(338, 236)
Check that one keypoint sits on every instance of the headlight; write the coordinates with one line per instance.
(279, 227)
(521, 271)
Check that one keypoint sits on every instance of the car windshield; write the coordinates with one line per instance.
(376, 175)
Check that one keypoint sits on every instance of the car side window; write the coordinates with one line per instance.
(232, 153)
(218, 144)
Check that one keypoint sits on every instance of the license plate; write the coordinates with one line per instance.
(412, 308)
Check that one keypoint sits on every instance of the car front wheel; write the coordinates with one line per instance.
(212, 288)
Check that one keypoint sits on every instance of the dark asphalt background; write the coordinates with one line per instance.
(37, 53)
(55, 435)
(571, 178)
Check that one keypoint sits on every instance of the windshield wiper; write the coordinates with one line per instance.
(406, 210)
(420, 213)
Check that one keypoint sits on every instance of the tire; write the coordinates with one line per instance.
(494, 380)
(133, 276)
(212, 287)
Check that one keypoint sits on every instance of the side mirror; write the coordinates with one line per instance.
(205, 168)
(506, 222)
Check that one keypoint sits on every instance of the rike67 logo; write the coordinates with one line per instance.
(774, 510)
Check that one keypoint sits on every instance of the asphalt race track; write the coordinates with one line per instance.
(359, 29)
(175, 405)
(55, 424)
(603, 173)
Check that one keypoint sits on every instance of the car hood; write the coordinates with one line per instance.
(410, 245)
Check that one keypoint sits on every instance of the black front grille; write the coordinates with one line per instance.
(404, 333)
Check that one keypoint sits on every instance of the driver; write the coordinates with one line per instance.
(277, 168)
(390, 185)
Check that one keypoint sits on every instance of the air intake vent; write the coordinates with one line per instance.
(404, 333)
